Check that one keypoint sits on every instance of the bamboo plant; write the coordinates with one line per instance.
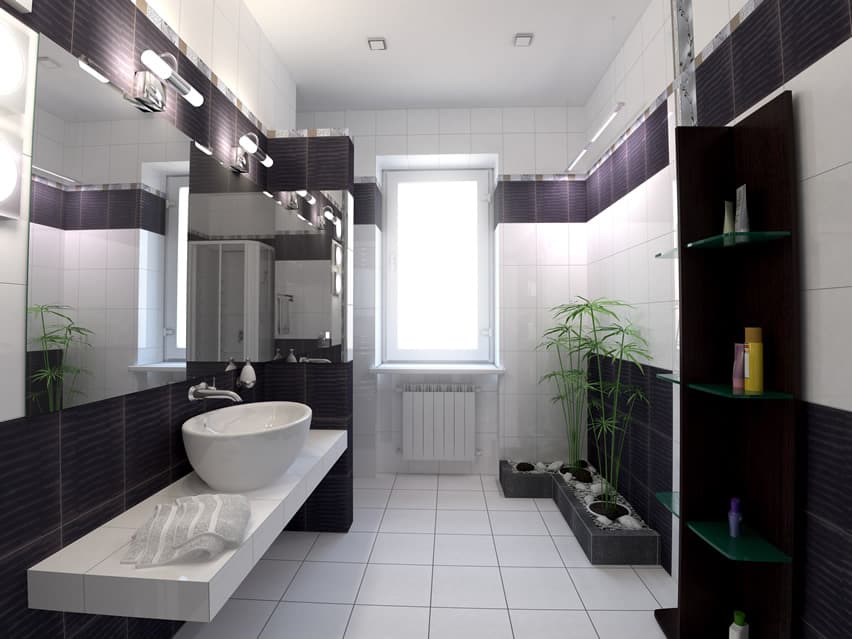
(587, 333)
(59, 333)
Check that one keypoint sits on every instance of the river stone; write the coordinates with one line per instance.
(540, 466)
(606, 521)
(596, 489)
(524, 467)
(629, 522)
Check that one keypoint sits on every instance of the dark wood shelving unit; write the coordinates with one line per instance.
(733, 448)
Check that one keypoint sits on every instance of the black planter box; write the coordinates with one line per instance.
(531, 484)
(602, 547)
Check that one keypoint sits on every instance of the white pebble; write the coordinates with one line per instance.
(606, 521)
(629, 522)
(555, 466)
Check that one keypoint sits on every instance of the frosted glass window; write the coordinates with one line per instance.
(438, 261)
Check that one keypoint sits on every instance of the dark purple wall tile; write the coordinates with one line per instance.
(223, 127)
(551, 201)
(181, 410)
(71, 203)
(194, 122)
(829, 448)
(92, 456)
(714, 87)
(142, 491)
(368, 203)
(577, 210)
(619, 172)
(29, 479)
(757, 56)
(16, 619)
(518, 202)
(97, 627)
(148, 36)
(661, 398)
(146, 435)
(285, 382)
(331, 163)
(93, 209)
(290, 171)
(150, 629)
(593, 206)
(46, 205)
(826, 552)
(329, 389)
(152, 213)
(103, 31)
(53, 18)
(657, 141)
(604, 173)
(82, 525)
(122, 208)
(810, 29)
(636, 167)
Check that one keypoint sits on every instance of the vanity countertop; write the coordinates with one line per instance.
(88, 576)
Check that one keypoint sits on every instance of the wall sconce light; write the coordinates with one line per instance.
(206, 150)
(250, 143)
(161, 67)
(89, 67)
(328, 213)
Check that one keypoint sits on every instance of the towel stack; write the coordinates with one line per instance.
(195, 528)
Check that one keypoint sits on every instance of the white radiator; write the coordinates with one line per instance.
(438, 422)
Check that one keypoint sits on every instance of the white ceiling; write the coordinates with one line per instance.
(445, 52)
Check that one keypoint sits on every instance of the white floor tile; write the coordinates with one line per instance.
(565, 624)
(661, 585)
(408, 521)
(292, 546)
(389, 585)
(459, 623)
(416, 482)
(367, 520)
(388, 622)
(571, 552)
(301, 620)
(370, 497)
(459, 482)
(540, 588)
(466, 587)
(556, 523)
(517, 523)
(527, 551)
(547, 505)
(612, 589)
(461, 500)
(353, 547)
(491, 483)
(621, 624)
(381, 480)
(268, 580)
(413, 498)
(496, 501)
(402, 548)
(465, 550)
(238, 619)
(319, 582)
(463, 522)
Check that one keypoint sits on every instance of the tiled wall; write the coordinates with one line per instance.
(804, 46)
(529, 140)
(647, 455)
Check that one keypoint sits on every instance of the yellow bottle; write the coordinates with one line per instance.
(753, 360)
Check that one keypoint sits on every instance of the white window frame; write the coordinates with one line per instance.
(485, 354)
(175, 291)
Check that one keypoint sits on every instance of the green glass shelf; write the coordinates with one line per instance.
(671, 254)
(723, 390)
(728, 240)
(674, 378)
(671, 501)
(749, 546)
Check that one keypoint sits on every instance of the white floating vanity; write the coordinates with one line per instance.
(88, 576)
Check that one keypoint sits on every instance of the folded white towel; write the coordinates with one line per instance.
(195, 528)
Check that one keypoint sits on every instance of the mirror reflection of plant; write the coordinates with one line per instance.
(59, 334)
(590, 332)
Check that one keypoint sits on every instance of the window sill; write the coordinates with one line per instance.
(158, 367)
(439, 369)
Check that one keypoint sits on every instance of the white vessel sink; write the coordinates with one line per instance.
(246, 446)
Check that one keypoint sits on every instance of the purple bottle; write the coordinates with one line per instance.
(734, 517)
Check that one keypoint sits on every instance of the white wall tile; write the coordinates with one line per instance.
(454, 143)
(391, 145)
(365, 155)
(454, 121)
(551, 152)
(708, 18)
(423, 122)
(551, 119)
(423, 144)
(486, 143)
(519, 120)
(828, 350)
(12, 346)
(361, 122)
(827, 229)
(486, 121)
(519, 286)
(518, 153)
(196, 26)
(392, 122)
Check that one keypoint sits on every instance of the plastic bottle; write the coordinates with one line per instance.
(735, 518)
(738, 629)
(738, 380)
(753, 361)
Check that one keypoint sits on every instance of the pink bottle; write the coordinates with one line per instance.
(739, 368)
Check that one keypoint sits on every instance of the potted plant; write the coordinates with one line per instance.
(589, 333)
(57, 377)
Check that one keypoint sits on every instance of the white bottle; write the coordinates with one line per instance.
(247, 375)
(738, 629)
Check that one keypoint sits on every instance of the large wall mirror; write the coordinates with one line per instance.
(106, 303)
(267, 272)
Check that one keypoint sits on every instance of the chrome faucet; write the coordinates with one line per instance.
(203, 391)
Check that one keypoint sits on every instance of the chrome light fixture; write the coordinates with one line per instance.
(328, 213)
(148, 93)
(89, 67)
(250, 143)
(165, 67)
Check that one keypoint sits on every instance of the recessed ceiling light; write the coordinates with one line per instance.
(523, 39)
(377, 44)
